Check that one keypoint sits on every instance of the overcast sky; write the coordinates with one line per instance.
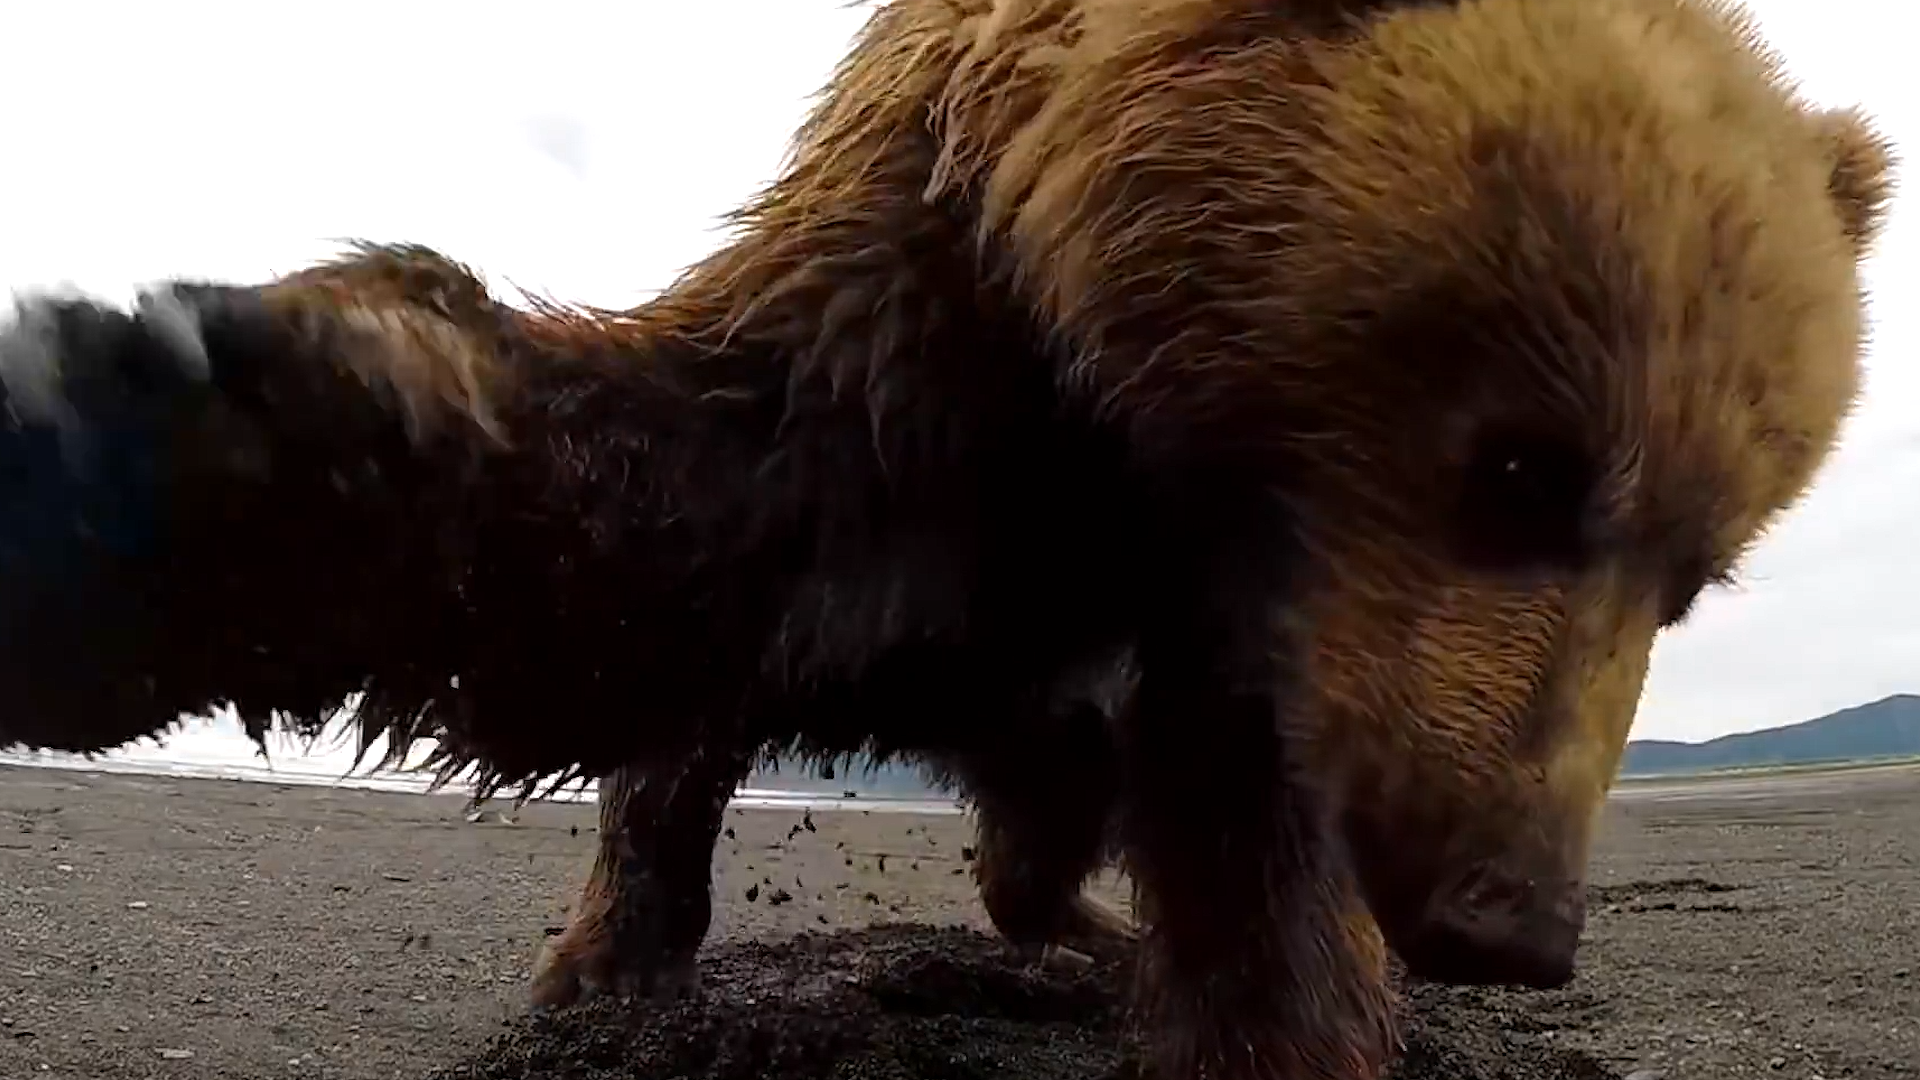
(585, 150)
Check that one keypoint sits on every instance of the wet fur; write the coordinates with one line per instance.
(1174, 329)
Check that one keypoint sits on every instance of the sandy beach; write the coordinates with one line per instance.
(162, 927)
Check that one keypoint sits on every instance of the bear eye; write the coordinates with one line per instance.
(1523, 502)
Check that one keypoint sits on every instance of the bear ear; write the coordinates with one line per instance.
(1860, 176)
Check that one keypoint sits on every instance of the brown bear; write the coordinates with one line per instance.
(1373, 379)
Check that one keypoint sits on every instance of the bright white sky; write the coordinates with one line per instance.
(585, 150)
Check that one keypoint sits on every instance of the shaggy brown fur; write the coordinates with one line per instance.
(1379, 377)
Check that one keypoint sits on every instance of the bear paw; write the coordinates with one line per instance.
(584, 962)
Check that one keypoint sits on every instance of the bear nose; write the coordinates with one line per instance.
(1497, 929)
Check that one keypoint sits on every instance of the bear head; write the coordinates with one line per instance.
(1533, 313)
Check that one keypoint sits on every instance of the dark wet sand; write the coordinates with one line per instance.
(189, 928)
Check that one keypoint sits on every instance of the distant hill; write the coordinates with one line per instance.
(1889, 727)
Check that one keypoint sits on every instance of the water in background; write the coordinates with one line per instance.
(216, 748)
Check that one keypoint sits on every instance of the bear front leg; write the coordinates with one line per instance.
(637, 923)
(1259, 961)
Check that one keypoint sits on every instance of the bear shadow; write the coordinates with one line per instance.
(911, 1002)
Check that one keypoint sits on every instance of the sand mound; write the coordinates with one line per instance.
(915, 1003)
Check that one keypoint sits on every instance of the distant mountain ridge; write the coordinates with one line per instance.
(1886, 728)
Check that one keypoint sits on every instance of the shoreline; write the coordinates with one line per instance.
(389, 782)
(165, 928)
(1749, 783)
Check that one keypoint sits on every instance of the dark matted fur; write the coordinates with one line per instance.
(1378, 377)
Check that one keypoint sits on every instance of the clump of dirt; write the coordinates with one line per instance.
(905, 1002)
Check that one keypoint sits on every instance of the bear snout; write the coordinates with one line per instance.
(1499, 928)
